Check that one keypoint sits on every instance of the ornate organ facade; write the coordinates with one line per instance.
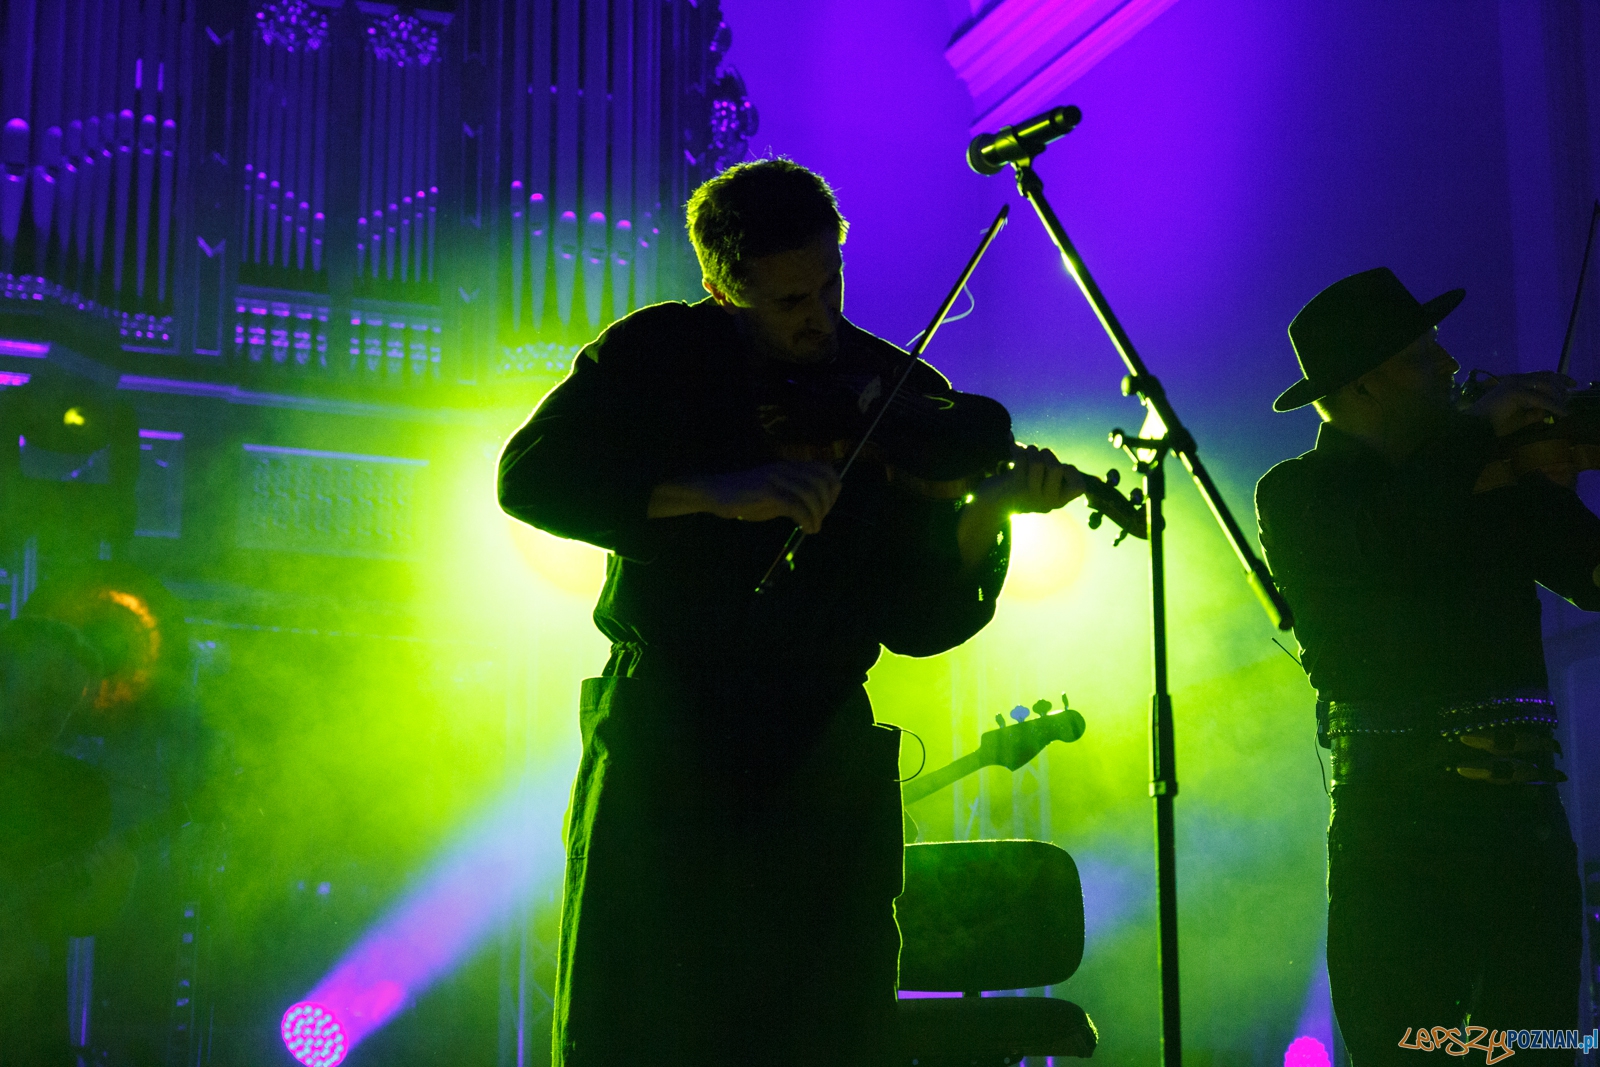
(350, 196)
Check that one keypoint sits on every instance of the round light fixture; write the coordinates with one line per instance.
(313, 1035)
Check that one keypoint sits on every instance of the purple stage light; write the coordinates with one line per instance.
(473, 887)
(313, 1035)
(1306, 1052)
(25, 349)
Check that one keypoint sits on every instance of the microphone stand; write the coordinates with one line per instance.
(1163, 434)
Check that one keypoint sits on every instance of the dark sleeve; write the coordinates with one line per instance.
(938, 604)
(1313, 523)
(1445, 469)
(1561, 538)
(1558, 536)
(585, 463)
(1286, 509)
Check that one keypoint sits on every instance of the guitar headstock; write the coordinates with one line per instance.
(1014, 746)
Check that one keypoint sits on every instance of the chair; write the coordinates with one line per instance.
(987, 915)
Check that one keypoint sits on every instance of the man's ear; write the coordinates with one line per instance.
(724, 301)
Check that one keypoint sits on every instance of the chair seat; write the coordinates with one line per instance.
(993, 1030)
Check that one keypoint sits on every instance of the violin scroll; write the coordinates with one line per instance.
(1106, 501)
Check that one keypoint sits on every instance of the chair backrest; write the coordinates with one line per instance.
(989, 915)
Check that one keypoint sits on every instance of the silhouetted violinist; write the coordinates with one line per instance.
(1452, 885)
(734, 840)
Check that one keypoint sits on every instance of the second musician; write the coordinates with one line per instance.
(1453, 895)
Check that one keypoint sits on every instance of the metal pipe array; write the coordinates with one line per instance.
(285, 171)
(583, 134)
(90, 143)
(398, 230)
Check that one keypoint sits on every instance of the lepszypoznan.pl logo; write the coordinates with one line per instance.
(1495, 1044)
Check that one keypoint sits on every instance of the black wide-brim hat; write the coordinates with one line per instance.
(1351, 327)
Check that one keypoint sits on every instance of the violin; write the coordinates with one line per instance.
(938, 446)
(1559, 447)
(944, 442)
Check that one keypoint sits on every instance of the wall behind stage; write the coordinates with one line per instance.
(1234, 157)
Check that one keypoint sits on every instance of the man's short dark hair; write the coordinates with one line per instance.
(759, 209)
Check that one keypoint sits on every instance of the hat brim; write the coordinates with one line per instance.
(1310, 390)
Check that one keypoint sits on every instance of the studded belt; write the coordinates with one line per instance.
(1503, 740)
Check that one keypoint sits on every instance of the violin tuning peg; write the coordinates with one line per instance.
(1113, 477)
(1095, 519)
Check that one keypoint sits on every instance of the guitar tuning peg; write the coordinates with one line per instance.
(1113, 477)
(1121, 537)
(1065, 705)
(1019, 713)
(1041, 706)
(1095, 519)
(1136, 498)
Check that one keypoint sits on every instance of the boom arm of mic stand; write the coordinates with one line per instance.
(1149, 389)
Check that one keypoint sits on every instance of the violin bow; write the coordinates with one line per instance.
(1565, 364)
(785, 558)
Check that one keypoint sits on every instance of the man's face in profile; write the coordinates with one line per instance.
(1414, 387)
(791, 302)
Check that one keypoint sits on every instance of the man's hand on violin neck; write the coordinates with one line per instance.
(804, 492)
(1037, 481)
(1519, 400)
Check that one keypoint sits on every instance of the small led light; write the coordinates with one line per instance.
(73, 417)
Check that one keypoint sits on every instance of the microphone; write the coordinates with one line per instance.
(990, 152)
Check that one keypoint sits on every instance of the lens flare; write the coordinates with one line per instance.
(313, 1035)
(570, 566)
(1047, 554)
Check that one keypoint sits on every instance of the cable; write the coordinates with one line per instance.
(972, 303)
(1291, 655)
(920, 766)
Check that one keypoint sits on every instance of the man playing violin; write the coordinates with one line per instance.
(734, 837)
(1453, 893)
